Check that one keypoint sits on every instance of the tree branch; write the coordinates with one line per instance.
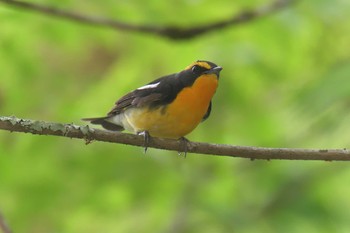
(89, 134)
(171, 32)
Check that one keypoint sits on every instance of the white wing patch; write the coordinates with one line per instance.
(149, 86)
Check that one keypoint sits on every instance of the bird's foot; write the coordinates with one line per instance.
(146, 137)
(184, 146)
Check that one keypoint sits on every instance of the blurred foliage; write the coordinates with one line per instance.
(285, 83)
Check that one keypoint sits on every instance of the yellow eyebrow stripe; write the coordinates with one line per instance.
(199, 63)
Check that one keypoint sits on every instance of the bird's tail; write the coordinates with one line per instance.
(103, 121)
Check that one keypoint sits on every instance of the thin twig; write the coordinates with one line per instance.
(3, 226)
(172, 32)
(89, 134)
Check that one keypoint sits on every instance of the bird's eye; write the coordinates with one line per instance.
(196, 69)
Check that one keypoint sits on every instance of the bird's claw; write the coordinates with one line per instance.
(146, 137)
(184, 146)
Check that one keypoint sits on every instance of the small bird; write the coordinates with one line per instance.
(168, 107)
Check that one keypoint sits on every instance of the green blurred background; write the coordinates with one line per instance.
(285, 83)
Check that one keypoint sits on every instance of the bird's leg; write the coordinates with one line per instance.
(184, 145)
(146, 137)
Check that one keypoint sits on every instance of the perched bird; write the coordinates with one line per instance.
(168, 107)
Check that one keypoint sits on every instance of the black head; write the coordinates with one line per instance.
(196, 69)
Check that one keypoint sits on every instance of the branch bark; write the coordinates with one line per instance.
(14, 124)
(171, 32)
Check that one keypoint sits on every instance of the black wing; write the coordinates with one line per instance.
(156, 96)
(207, 114)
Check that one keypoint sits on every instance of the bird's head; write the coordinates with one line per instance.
(200, 67)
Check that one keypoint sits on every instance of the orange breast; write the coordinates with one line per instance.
(179, 117)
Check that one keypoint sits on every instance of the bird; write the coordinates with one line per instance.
(169, 107)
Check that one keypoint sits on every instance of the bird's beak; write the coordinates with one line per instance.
(215, 70)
